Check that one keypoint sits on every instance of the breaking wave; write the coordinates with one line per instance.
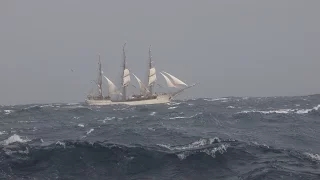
(12, 139)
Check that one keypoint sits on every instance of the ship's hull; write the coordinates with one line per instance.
(160, 99)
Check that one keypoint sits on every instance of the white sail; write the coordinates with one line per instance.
(176, 81)
(152, 76)
(112, 87)
(126, 77)
(169, 83)
(141, 85)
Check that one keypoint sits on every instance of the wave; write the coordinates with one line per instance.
(14, 138)
(279, 111)
(185, 117)
(47, 105)
(306, 111)
(196, 144)
(81, 125)
(282, 111)
(195, 148)
(172, 103)
(103, 160)
(173, 107)
(109, 119)
(90, 131)
(315, 157)
(217, 99)
(31, 108)
(230, 107)
(6, 112)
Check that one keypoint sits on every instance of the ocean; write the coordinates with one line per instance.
(231, 138)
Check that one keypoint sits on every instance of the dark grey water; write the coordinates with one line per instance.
(227, 138)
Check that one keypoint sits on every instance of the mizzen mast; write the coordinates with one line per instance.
(99, 82)
(152, 77)
(124, 95)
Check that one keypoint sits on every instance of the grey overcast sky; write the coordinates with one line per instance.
(228, 47)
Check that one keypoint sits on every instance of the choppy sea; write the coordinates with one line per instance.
(226, 138)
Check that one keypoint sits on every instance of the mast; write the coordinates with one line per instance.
(150, 66)
(124, 95)
(100, 79)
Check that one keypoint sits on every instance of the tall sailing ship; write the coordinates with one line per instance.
(147, 94)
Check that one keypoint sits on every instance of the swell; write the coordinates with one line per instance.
(43, 110)
(205, 158)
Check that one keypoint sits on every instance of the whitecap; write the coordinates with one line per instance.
(221, 149)
(10, 152)
(152, 113)
(261, 145)
(173, 103)
(2, 132)
(280, 111)
(107, 119)
(70, 104)
(182, 156)
(306, 111)
(14, 138)
(230, 107)
(174, 107)
(26, 121)
(8, 111)
(90, 131)
(179, 117)
(185, 117)
(211, 152)
(47, 105)
(315, 157)
(196, 144)
(316, 108)
(283, 111)
(61, 144)
(218, 99)
(81, 125)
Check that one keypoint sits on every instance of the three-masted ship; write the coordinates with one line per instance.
(147, 94)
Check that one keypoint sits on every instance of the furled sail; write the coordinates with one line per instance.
(112, 87)
(152, 76)
(169, 83)
(176, 81)
(126, 77)
(141, 85)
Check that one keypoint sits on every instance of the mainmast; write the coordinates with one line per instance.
(124, 95)
(100, 79)
(150, 66)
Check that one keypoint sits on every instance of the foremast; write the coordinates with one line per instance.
(150, 66)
